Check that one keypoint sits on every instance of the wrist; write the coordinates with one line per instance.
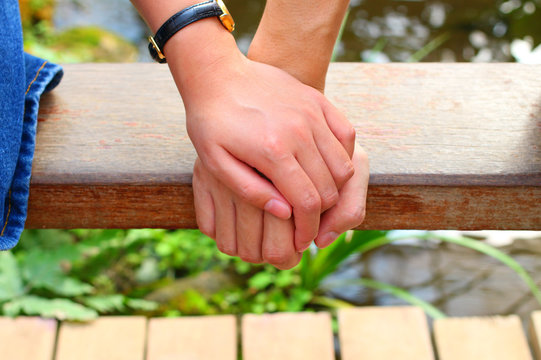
(199, 52)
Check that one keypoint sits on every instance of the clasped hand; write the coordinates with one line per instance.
(277, 168)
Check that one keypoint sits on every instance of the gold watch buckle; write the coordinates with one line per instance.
(226, 19)
(161, 56)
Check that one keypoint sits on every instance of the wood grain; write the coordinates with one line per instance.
(111, 338)
(535, 332)
(287, 336)
(495, 338)
(193, 338)
(27, 338)
(450, 146)
(382, 333)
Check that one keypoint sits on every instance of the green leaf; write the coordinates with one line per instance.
(61, 309)
(11, 284)
(261, 280)
(68, 286)
(45, 270)
(105, 303)
(284, 278)
(140, 304)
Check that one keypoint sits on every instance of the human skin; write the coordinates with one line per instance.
(243, 115)
(241, 229)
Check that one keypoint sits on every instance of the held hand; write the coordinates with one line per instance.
(256, 236)
(243, 115)
(239, 228)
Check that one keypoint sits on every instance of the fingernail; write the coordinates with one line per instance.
(278, 208)
(327, 239)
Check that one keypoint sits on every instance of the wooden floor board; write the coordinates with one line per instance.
(192, 338)
(490, 338)
(287, 336)
(107, 338)
(382, 333)
(27, 338)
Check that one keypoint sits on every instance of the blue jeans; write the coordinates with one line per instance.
(23, 78)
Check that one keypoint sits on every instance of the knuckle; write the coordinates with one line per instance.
(311, 202)
(275, 256)
(345, 173)
(250, 258)
(356, 215)
(273, 148)
(227, 249)
(207, 229)
(247, 192)
(347, 134)
(329, 200)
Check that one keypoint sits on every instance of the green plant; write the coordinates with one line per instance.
(60, 277)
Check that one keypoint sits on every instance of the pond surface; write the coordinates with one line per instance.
(376, 30)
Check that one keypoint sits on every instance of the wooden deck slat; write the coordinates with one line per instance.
(491, 338)
(382, 333)
(287, 336)
(448, 144)
(107, 338)
(193, 338)
(535, 330)
(27, 338)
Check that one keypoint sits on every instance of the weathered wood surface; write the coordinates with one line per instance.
(287, 336)
(111, 338)
(27, 338)
(193, 338)
(450, 146)
(382, 333)
(498, 338)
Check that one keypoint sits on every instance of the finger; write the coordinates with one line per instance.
(278, 242)
(292, 181)
(310, 160)
(335, 156)
(226, 237)
(285, 172)
(350, 210)
(203, 203)
(340, 126)
(249, 229)
(247, 184)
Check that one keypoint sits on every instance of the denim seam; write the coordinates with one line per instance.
(9, 201)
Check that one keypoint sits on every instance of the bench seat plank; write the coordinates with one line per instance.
(287, 336)
(194, 338)
(110, 337)
(27, 338)
(450, 146)
(381, 333)
(490, 338)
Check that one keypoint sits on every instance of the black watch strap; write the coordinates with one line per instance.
(176, 22)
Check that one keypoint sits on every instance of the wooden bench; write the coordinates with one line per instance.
(381, 333)
(450, 145)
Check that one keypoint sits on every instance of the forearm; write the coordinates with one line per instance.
(298, 36)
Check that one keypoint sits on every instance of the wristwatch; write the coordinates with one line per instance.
(184, 18)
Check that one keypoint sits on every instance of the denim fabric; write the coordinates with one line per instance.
(23, 78)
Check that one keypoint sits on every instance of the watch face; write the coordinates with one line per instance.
(226, 18)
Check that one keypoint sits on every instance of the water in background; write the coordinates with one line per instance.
(376, 30)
